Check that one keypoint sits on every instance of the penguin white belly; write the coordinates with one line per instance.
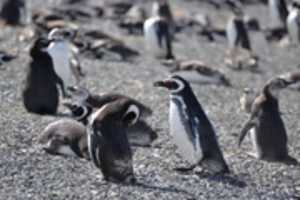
(60, 54)
(151, 37)
(181, 138)
(254, 139)
(274, 13)
(293, 26)
(195, 77)
(231, 34)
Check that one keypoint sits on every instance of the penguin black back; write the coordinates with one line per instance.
(269, 135)
(40, 94)
(108, 143)
(11, 11)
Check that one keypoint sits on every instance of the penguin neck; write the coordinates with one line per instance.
(37, 54)
(270, 98)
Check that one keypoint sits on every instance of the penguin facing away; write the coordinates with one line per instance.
(40, 94)
(108, 143)
(191, 129)
(266, 127)
(13, 12)
(65, 137)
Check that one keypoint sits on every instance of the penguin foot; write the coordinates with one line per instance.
(253, 155)
(185, 169)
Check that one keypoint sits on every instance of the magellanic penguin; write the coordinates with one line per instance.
(158, 37)
(240, 55)
(278, 12)
(108, 143)
(268, 133)
(40, 94)
(191, 129)
(139, 134)
(66, 137)
(15, 12)
(293, 23)
(236, 32)
(63, 56)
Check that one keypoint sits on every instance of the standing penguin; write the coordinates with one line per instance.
(40, 94)
(62, 55)
(236, 32)
(266, 126)
(278, 12)
(108, 143)
(15, 12)
(191, 129)
(293, 23)
(157, 32)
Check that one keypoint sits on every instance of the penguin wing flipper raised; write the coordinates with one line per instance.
(249, 124)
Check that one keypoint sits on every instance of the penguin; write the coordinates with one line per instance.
(267, 129)
(192, 131)
(66, 137)
(162, 8)
(293, 23)
(158, 37)
(83, 95)
(40, 94)
(140, 134)
(63, 56)
(108, 144)
(195, 71)
(236, 32)
(278, 12)
(14, 12)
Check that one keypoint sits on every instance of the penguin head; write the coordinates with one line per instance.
(295, 4)
(79, 111)
(40, 46)
(275, 85)
(161, 8)
(62, 34)
(175, 84)
(121, 111)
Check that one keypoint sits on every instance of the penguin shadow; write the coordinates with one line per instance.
(169, 189)
(227, 179)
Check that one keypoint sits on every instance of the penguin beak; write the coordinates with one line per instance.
(166, 83)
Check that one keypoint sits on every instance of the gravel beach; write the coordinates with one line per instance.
(28, 173)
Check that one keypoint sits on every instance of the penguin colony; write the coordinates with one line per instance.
(107, 129)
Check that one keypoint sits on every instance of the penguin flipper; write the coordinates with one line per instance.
(185, 169)
(250, 124)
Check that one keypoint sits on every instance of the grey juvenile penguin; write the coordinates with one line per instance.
(191, 129)
(267, 128)
(40, 94)
(108, 143)
(65, 137)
